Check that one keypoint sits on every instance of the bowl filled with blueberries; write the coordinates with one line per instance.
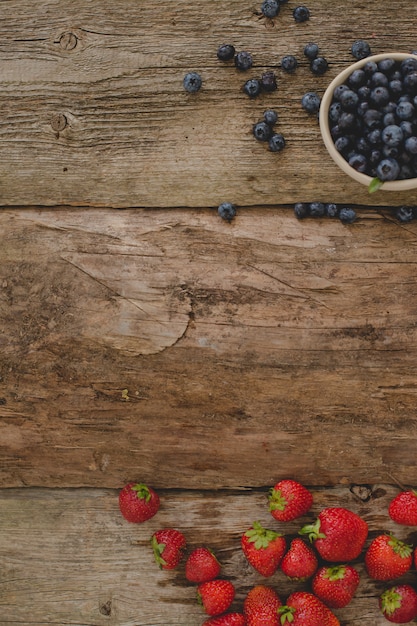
(368, 121)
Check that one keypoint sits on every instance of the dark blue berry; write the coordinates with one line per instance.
(192, 82)
(331, 209)
(405, 111)
(388, 169)
(301, 14)
(268, 81)
(347, 215)
(262, 131)
(311, 102)
(252, 87)
(227, 211)
(276, 143)
(289, 63)
(270, 8)
(404, 214)
(379, 96)
(349, 100)
(360, 49)
(300, 210)
(357, 79)
(358, 162)
(410, 83)
(316, 209)
(335, 111)
(410, 145)
(270, 117)
(243, 61)
(392, 135)
(226, 52)
(408, 65)
(378, 79)
(386, 65)
(319, 66)
(311, 50)
(343, 144)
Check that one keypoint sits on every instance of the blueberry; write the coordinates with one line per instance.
(192, 82)
(404, 214)
(262, 131)
(407, 128)
(316, 209)
(405, 111)
(370, 68)
(389, 118)
(410, 145)
(289, 63)
(372, 118)
(335, 110)
(311, 50)
(379, 96)
(252, 87)
(388, 169)
(357, 79)
(276, 142)
(349, 100)
(339, 90)
(360, 49)
(331, 209)
(301, 14)
(343, 144)
(410, 82)
(396, 87)
(270, 8)
(358, 162)
(408, 65)
(386, 65)
(310, 102)
(319, 66)
(226, 52)
(378, 79)
(347, 121)
(347, 215)
(270, 117)
(227, 211)
(392, 135)
(243, 61)
(300, 210)
(364, 92)
(268, 81)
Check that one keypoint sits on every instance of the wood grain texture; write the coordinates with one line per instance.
(183, 350)
(68, 557)
(93, 111)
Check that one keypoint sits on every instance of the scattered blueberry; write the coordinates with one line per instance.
(262, 131)
(289, 63)
(243, 60)
(311, 102)
(270, 117)
(300, 210)
(404, 214)
(252, 87)
(227, 211)
(347, 215)
(301, 14)
(331, 209)
(269, 81)
(276, 142)
(319, 66)
(270, 8)
(226, 52)
(316, 209)
(311, 51)
(192, 82)
(360, 49)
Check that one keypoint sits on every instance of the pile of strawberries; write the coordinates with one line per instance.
(322, 554)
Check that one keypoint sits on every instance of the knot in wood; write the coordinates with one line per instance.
(59, 122)
(68, 41)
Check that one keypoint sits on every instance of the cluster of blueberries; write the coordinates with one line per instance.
(271, 8)
(264, 131)
(347, 215)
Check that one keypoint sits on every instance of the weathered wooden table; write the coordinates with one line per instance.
(160, 343)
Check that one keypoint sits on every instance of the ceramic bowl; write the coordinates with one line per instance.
(364, 179)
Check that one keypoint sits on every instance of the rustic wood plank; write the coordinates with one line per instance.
(175, 345)
(93, 111)
(69, 558)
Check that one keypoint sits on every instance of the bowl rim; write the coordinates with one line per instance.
(394, 185)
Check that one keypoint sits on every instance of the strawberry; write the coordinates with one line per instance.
(288, 500)
(300, 562)
(138, 503)
(228, 619)
(387, 557)
(201, 566)
(263, 548)
(398, 604)
(168, 546)
(403, 508)
(336, 586)
(261, 606)
(305, 609)
(338, 534)
(215, 596)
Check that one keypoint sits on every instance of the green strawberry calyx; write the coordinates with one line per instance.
(158, 549)
(142, 492)
(390, 601)
(404, 550)
(335, 573)
(286, 614)
(312, 531)
(261, 537)
(277, 502)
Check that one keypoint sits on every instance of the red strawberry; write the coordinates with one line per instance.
(261, 606)
(388, 558)
(168, 547)
(138, 503)
(228, 619)
(305, 609)
(263, 548)
(201, 566)
(399, 604)
(336, 586)
(288, 500)
(338, 534)
(215, 596)
(300, 562)
(403, 508)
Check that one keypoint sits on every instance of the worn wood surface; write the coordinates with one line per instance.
(190, 352)
(92, 109)
(89, 567)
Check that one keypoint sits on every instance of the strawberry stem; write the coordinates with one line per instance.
(404, 550)
(142, 492)
(390, 601)
(286, 614)
(158, 548)
(277, 502)
(261, 536)
(312, 531)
